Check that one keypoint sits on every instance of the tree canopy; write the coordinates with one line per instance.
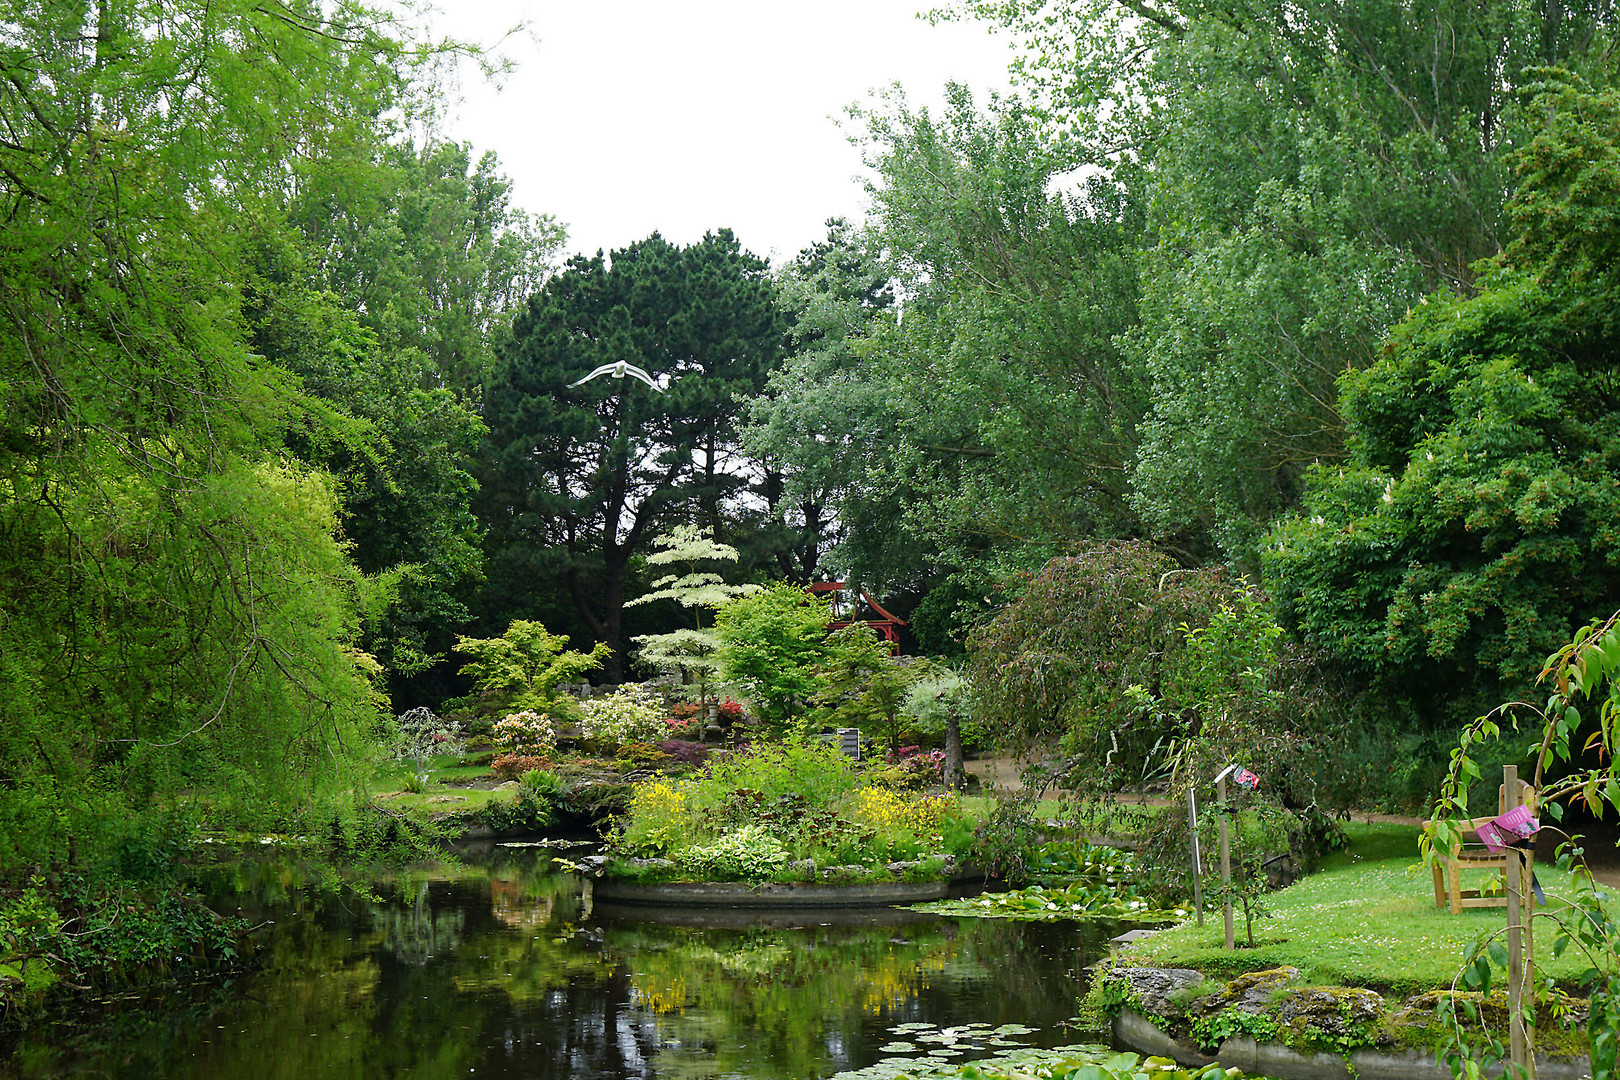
(180, 611)
(580, 478)
(1471, 527)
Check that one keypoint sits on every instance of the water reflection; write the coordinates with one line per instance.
(500, 972)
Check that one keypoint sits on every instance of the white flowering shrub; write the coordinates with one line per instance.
(629, 714)
(528, 733)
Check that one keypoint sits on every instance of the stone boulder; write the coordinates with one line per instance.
(1154, 989)
(1249, 993)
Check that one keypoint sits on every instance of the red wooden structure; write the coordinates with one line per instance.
(845, 610)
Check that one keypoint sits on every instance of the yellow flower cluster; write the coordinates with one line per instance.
(658, 799)
(891, 811)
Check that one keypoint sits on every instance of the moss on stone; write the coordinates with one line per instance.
(1322, 1019)
(1252, 992)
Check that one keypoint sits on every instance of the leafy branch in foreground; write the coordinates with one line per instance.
(1585, 696)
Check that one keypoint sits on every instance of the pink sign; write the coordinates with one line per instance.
(1507, 829)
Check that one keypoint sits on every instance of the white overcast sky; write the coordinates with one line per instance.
(629, 116)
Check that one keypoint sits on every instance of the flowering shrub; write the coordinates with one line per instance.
(729, 712)
(528, 733)
(916, 768)
(657, 820)
(629, 714)
(798, 801)
(683, 727)
(892, 811)
(510, 766)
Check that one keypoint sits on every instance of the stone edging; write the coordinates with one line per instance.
(1137, 1032)
(770, 896)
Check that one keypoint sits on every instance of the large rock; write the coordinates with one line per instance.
(1332, 1010)
(1249, 993)
(1153, 988)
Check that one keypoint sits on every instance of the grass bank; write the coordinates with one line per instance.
(1367, 918)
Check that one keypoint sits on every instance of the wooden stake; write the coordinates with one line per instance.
(1520, 1051)
(1197, 862)
(1226, 857)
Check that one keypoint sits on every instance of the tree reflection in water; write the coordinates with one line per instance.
(496, 970)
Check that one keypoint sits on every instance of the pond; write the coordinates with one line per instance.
(500, 969)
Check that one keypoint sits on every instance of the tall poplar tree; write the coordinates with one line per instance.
(1308, 172)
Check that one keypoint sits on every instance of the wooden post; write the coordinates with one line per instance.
(1197, 862)
(1521, 1052)
(1226, 856)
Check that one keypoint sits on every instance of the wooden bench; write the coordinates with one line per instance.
(1449, 865)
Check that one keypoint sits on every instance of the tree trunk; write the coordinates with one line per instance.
(955, 778)
(613, 620)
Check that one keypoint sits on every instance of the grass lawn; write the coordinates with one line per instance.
(388, 787)
(981, 805)
(442, 768)
(441, 800)
(1367, 918)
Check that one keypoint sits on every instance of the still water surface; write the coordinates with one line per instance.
(500, 970)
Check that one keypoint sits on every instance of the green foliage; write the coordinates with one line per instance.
(1369, 172)
(998, 414)
(1064, 656)
(533, 809)
(818, 773)
(770, 644)
(863, 685)
(180, 614)
(1583, 680)
(382, 284)
(106, 938)
(530, 663)
(1142, 670)
(1007, 840)
(749, 853)
(791, 803)
(537, 784)
(1211, 1031)
(1470, 528)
